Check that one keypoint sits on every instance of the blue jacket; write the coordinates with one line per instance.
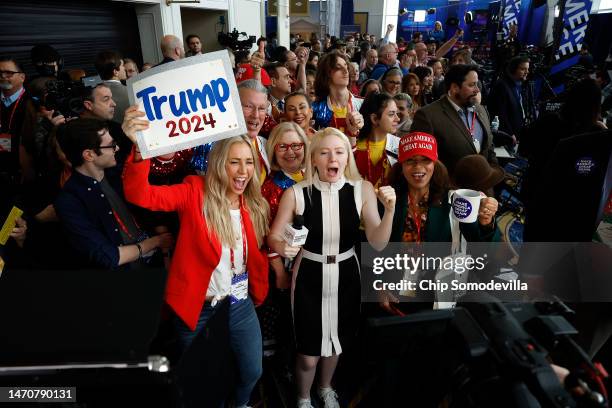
(88, 219)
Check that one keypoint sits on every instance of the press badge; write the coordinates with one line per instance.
(240, 288)
(5, 142)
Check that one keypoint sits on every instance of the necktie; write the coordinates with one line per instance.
(281, 106)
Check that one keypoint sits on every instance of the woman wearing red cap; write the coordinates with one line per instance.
(422, 207)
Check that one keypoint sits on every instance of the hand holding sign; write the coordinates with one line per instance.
(187, 103)
(132, 123)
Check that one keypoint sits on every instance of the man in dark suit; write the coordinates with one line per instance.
(172, 49)
(459, 123)
(506, 97)
(112, 71)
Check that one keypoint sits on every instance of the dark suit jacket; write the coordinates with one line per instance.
(454, 140)
(567, 198)
(120, 97)
(504, 103)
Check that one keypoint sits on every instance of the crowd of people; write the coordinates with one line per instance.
(361, 138)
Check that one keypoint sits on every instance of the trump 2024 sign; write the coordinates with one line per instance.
(187, 103)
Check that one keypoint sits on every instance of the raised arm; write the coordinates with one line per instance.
(137, 189)
(447, 46)
(378, 231)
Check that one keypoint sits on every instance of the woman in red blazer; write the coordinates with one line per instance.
(218, 256)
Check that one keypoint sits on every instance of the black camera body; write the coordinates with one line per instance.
(65, 97)
(233, 41)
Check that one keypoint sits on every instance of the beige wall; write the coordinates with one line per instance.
(203, 23)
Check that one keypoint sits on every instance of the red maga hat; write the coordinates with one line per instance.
(418, 144)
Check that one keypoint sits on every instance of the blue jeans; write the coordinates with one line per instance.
(245, 341)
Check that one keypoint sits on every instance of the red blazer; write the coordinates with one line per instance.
(197, 253)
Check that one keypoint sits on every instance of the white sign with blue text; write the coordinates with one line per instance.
(187, 103)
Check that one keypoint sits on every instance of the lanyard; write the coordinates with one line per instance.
(244, 245)
(14, 109)
(384, 166)
(260, 157)
(467, 122)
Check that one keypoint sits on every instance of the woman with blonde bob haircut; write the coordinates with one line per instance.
(287, 149)
(218, 266)
(325, 288)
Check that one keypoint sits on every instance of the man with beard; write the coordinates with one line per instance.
(17, 118)
(460, 125)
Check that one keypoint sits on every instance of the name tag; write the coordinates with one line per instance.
(5, 142)
(240, 288)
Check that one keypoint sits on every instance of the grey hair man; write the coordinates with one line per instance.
(254, 101)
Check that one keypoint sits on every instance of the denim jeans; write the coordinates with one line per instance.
(245, 341)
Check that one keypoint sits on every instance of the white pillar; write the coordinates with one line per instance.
(334, 8)
(390, 15)
(262, 10)
(282, 25)
(245, 16)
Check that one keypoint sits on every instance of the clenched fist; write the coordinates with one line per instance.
(386, 195)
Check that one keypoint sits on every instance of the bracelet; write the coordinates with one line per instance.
(139, 250)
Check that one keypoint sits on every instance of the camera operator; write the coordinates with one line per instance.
(46, 60)
(98, 104)
(507, 49)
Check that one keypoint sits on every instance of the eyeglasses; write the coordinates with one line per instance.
(9, 74)
(396, 83)
(283, 147)
(250, 108)
(113, 146)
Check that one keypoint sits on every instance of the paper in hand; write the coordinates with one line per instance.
(9, 224)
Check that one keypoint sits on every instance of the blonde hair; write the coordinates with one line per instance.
(350, 171)
(216, 204)
(277, 134)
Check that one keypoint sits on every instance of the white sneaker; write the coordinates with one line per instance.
(304, 403)
(329, 397)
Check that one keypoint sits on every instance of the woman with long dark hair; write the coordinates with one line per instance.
(376, 151)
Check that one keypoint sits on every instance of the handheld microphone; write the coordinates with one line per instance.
(295, 235)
